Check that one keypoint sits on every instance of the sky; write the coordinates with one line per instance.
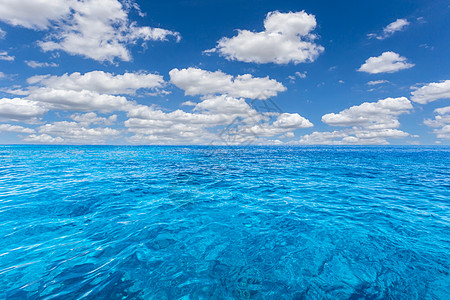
(222, 72)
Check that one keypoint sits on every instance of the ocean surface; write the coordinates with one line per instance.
(106, 222)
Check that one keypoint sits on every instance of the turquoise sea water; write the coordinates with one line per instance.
(224, 223)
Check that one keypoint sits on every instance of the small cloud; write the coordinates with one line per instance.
(189, 103)
(341, 81)
(35, 64)
(389, 30)
(387, 62)
(301, 75)
(376, 82)
(2, 34)
(332, 68)
(426, 46)
(4, 56)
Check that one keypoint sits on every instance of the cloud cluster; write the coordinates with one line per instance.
(371, 122)
(387, 62)
(196, 81)
(389, 30)
(287, 38)
(441, 122)
(432, 92)
(65, 132)
(96, 29)
(4, 56)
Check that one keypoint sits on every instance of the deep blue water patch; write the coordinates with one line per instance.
(224, 223)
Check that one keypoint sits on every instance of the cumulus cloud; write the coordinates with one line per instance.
(196, 81)
(287, 38)
(100, 82)
(79, 100)
(65, 132)
(242, 123)
(92, 118)
(92, 91)
(441, 122)
(432, 92)
(388, 62)
(389, 30)
(371, 122)
(18, 109)
(24, 13)
(35, 64)
(371, 115)
(4, 56)
(96, 29)
(15, 128)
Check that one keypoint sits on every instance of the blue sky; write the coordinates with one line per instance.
(224, 72)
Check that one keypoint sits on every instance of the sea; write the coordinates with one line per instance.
(210, 222)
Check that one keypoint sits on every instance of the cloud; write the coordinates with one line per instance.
(92, 118)
(35, 64)
(389, 30)
(376, 82)
(96, 29)
(432, 92)
(200, 82)
(92, 91)
(2, 34)
(79, 100)
(4, 56)
(388, 62)
(441, 122)
(242, 122)
(371, 122)
(65, 132)
(371, 115)
(287, 38)
(34, 14)
(17, 109)
(15, 128)
(101, 82)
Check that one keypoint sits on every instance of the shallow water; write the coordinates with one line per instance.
(224, 223)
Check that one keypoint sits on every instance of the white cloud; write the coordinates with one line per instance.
(43, 139)
(351, 137)
(372, 123)
(80, 100)
(388, 62)
(17, 109)
(92, 118)
(389, 30)
(371, 115)
(375, 82)
(2, 75)
(441, 122)
(33, 14)
(287, 38)
(101, 82)
(92, 91)
(2, 34)
(35, 64)
(242, 123)
(15, 128)
(65, 132)
(4, 56)
(432, 92)
(300, 75)
(96, 29)
(196, 81)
